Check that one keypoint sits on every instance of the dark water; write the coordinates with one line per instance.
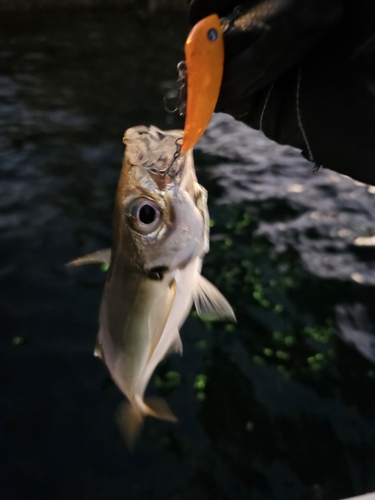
(280, 406)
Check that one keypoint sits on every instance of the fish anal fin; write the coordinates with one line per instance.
(176, 345)
(159, 316)
(100, 257)
(210, 303)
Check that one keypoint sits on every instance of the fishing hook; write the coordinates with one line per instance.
(182, 88)
(177, 97)
(176, 155)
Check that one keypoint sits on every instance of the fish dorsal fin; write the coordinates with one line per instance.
(100, 257)
(159, 316)
(210, 303)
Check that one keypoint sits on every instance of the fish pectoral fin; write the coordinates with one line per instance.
(159, 316)
(210, 303)
(100, 257)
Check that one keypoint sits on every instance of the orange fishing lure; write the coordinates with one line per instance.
(204, 54)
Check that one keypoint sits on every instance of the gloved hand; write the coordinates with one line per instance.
(303, 72)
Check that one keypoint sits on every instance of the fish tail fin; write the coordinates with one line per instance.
(130, 420)
(130, 416)
(158, 408)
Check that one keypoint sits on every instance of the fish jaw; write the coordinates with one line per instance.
(152, 152)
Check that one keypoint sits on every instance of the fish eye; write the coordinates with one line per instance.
(144, 215)
(212, 35)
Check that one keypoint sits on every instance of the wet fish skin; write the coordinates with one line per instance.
(154, 273)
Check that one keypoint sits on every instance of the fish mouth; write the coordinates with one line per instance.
(174, 167)
(169, 176)
(157, 152)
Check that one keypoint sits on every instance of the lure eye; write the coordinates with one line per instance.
(144, 215)
(212, 34)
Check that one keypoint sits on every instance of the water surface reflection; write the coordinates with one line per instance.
(279, 406)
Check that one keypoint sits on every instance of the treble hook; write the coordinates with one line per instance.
(177, 97)
(182, 89)
(176, 155)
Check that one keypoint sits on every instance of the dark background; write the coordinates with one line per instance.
(280, 406)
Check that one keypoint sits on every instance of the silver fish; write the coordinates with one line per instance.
(161, 234)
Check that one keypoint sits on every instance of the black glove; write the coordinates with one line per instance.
(302, 71)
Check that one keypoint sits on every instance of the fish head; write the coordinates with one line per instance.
(161, 219)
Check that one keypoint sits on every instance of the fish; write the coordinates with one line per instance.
(204, 59)
(160, 236)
